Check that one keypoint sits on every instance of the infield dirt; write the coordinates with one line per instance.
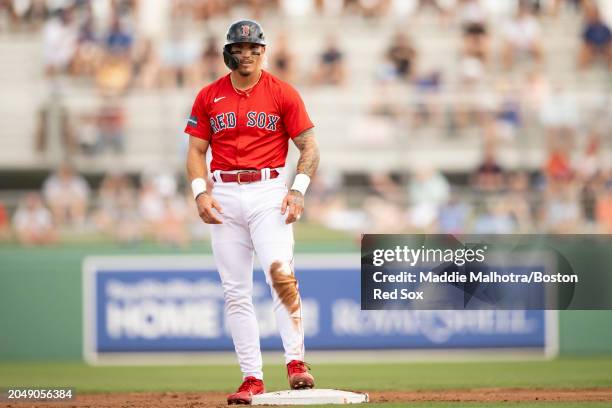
(217, 399)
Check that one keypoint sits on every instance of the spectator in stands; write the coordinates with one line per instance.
(559, 116)
(338, 215)
(384, 186)
(496, 218)
(384, 101)
(590, 163)
(590, 190)
(172, 228)
(562, 211)
(33, 223)
(4, 223)
(210, 64)
(373, 8)
(475, 104)
(88, 53)
(150, 207)
(427, 87)
(434, 5)
(382, 216)
(116, 213)
(105, 215)
(282, 61)
(473, 20)
(603, 210)
(87, 132)
(428, 192)
(534, 5)
(59, 42)
(383, 206)
(111, 121)
(522, 36)
(378, 125)
(558, 165)
(518, 200)
(402, 56)
(147, 67)
(163, 210)
(558, 4)
(119, 40)
(259, 7)
(534, 89)
(476, 41)
(55, 137)
(323, 188)
(454, 215)
(67, 195)
(331, 69)
(204, 10)
(114, 75)
(23, 14)
(470, 13)
(179, 56)
(489, 176)
(508, 116)
(596, 39)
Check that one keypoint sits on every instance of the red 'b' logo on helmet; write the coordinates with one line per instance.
(246, 30)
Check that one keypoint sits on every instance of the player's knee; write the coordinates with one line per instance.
(237, 302)
(236, 295)
(279, 268)
(280, 273)
(284, 285)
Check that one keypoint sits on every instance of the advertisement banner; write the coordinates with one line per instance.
(175, 305)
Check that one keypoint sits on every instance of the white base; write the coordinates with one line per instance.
(309, 397)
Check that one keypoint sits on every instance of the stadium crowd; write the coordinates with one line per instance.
(561, 198)
(118, 46)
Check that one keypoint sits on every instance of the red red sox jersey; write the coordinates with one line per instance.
(248, 130)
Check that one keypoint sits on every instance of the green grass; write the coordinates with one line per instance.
(310, 237)
(488, 405)
(564, 373)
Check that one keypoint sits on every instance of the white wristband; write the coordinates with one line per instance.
(198, 186)
(300, 183)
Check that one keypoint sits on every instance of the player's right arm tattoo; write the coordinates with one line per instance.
(309, 152)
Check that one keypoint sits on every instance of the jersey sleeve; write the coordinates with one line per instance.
(295, 117)
(197, 124)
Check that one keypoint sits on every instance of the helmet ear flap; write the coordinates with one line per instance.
(230, 61)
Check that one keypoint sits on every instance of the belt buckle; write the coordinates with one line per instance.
(238, 180)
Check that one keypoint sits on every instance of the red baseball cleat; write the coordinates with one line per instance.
(299, 377)
(250, 386)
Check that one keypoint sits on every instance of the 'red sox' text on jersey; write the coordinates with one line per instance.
(248, 129)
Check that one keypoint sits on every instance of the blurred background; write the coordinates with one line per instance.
(450, 116)
(458, 116)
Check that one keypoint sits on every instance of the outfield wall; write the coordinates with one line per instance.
(41, 304)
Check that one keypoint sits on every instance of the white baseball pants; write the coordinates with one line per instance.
(253, 223)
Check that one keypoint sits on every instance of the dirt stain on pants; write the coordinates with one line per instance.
(286, 287)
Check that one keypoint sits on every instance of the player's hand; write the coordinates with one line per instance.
(206, 203)
(293, 205)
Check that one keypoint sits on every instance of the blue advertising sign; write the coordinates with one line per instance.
(175, 305)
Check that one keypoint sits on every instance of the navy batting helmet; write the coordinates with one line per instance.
(247, 31)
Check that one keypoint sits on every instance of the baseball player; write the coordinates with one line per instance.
(247, 118)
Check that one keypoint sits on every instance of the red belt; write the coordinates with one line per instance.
(246, 176)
